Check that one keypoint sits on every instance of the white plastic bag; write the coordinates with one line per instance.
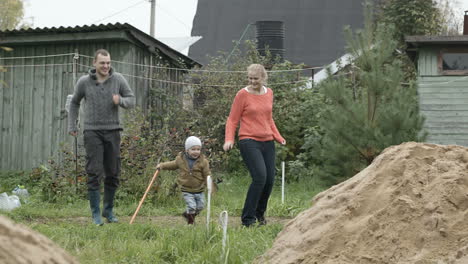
(68, 102)
(21, 193)
(9, 203)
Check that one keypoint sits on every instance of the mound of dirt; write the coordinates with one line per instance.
(19, 244)
(409, 206)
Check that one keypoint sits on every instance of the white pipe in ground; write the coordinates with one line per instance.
(282, 182)
(209, 185)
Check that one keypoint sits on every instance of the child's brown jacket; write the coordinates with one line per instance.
(193, 181)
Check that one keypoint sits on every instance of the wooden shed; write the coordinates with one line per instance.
(39, 72)
(442, 68)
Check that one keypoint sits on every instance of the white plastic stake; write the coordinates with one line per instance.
(209, 185)
(282, 182)
(223, 219)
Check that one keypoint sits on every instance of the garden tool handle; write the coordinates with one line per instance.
(144, 195)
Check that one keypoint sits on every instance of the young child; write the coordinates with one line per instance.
(194, 169)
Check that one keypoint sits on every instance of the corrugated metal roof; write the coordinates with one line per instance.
(84, 28)
(8, 36)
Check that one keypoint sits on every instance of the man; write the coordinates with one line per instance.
(104, 91)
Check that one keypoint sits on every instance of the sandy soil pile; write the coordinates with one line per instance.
(19, 244)
(409, 206)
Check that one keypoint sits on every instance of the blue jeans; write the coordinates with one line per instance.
(195, 202)
(259, 157)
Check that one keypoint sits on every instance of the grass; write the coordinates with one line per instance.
(159, 234)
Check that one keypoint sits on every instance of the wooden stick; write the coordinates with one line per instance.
(144, 196)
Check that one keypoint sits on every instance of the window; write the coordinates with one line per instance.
(453, 62)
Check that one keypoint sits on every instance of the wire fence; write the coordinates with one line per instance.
(301, 75)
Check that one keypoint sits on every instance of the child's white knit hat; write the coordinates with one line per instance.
(192, 141)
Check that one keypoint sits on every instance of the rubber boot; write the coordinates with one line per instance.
(192, 219)
(108, 210)
(94, 204)
(189, 217)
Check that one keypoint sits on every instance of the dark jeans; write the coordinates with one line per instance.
(259, 157)
(102, 158)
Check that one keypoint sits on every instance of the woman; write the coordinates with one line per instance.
(252, 107)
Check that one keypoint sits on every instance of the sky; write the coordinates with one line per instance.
(173, 17)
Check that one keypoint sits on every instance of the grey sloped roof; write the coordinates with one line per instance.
(313, 28)
(436, 40)
(89, 33)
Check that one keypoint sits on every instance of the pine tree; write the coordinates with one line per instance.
(371, 106)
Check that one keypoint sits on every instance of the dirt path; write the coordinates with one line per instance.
(165, 220)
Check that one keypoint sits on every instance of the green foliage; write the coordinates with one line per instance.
(61, 179)
(450, 14)
(159, 234)
(373, 109)
(411, 17)
(11, 13)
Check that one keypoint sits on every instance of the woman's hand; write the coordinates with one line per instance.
(228, 145)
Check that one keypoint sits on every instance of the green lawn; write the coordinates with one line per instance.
(159, 234)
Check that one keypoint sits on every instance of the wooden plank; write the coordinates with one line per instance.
(7, 96)
(3, 87)
(47, 125)
(454, 136)
(9, 134)
(26, 132)
(444, 107)
(60, 97)
(442, 101)
(55, 101)
(453, 130)
(23, 142)
(446, 114)
(38, 108)
(435, 119)
(442, 90)
(444, 96)
(446, 141)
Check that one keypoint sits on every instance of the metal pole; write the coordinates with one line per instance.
(313, 81)
(153, 17)
(209, 184)
(282, 182)
(75, 72)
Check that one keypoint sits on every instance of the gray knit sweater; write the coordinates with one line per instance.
(100, 112)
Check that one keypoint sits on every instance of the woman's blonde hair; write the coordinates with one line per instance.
(258, 68)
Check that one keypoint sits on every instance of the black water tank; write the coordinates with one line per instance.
(270, 34)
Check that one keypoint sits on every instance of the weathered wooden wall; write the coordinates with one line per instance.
(33, 92)
(443, 101)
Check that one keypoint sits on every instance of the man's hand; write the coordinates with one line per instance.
(73, 133)
(116, 99)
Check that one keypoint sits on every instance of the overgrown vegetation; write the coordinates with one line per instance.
(371, 105)
(11, 14)
(411, 17)
(159, 234)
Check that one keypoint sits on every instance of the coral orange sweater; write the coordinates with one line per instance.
(255, 115)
